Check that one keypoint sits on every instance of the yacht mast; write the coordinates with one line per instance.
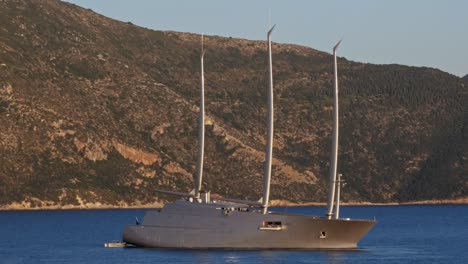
(334, 150)
(201, 128)
(337, 203)
(270, 118)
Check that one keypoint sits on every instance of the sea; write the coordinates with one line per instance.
(403, 234)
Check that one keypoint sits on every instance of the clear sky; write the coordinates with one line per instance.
(411, 32)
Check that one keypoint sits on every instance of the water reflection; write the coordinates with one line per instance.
(232, 258)
(274, 256)
(335, 257)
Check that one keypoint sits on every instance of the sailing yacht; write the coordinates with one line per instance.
(197, 221)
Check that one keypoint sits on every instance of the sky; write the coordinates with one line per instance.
(411, 32)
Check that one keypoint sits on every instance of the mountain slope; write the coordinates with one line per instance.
(97, 110)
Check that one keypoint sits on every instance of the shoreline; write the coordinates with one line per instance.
(458, 201)
(274, 203)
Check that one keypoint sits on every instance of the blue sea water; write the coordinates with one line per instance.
(403, 234)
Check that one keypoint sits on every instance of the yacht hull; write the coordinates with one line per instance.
(192, 225)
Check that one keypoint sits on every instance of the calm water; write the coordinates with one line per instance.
(404, 234)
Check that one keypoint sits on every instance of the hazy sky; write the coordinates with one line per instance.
(411, 32)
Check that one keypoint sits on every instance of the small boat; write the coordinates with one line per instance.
(115, 244)
(198, 222)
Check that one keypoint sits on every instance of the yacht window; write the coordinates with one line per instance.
(323, 234)
(271, 224)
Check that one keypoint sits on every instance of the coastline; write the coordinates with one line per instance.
(26, 206)
(457, 201)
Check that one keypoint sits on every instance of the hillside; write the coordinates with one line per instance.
(94, 110)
